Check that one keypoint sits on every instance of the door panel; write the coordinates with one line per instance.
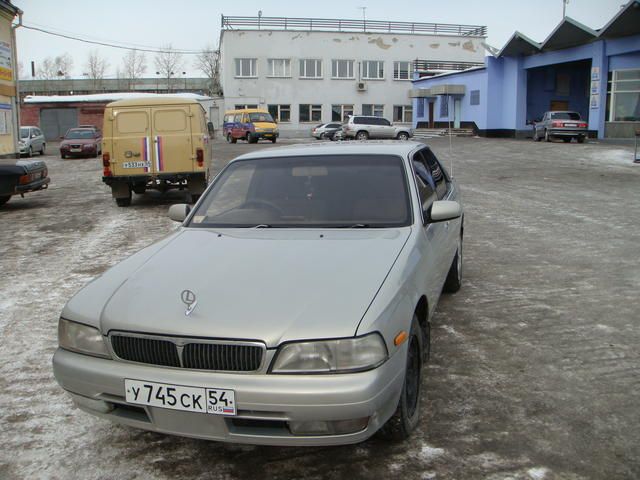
(172, 139)
(131, 142)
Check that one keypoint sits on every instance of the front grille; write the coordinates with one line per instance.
(214, 356)
(229, 357)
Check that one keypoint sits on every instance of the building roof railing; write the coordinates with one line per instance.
(426, 68)
(345, 25)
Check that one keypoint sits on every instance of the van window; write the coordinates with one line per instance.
(131, 122)
(237, 118)
(169, 121)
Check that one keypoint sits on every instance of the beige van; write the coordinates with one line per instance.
(155, 143)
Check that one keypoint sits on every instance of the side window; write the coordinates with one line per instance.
(426, 185)
(237, 118)
(437, 173)
(385, 122)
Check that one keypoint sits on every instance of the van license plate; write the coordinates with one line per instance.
(136, 164)
(216, 401)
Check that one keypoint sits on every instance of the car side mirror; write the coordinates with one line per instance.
(210, 129)
(444, 210)
(179, 212)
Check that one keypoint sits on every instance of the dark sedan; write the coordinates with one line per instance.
(18, 177)
(81, 142)
(565, 125)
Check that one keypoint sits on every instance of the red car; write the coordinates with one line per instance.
(81, 142)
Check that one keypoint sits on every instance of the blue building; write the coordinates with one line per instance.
(594, 72)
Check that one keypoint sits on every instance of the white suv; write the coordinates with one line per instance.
(362, 127)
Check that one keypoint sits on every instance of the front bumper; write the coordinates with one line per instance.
(265, 402)
(266, 135)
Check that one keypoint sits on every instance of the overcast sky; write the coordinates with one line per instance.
(192, 24)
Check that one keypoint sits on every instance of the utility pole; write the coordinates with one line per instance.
(364, 18)
(564, 8)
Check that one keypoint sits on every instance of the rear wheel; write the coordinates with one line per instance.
(362, 135)
(230, 138)
(580, 139)
(139, 189)
(30, 152)
(403, 136)
(536, 138)
(407, 414)
(4, 199)
(126, 200)
(42, 151)
(547, 137)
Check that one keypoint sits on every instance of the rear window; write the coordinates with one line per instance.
(170, 121)
(565, 116)
(131, 122)
(324, 191)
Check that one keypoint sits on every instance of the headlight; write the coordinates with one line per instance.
(81, 338)
(331, 356)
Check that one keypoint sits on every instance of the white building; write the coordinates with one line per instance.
(311, 71)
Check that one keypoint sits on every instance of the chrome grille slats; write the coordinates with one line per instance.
(205, 354)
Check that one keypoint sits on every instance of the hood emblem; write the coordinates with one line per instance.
(189, 299)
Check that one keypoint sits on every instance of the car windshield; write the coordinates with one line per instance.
(324, 191)
(260, 117)
(77, 134)
(565, 116)
(24, 132)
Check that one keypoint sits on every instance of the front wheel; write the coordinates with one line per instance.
(230, 138)
(403, 136)
(273, 140)
(547, 137)
(407, 414)
(30, 152)
(362, 135)
(4, 199)
(44, 146)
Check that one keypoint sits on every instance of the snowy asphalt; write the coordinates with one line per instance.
(535, 367)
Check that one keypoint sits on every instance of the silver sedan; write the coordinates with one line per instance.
(292, 307)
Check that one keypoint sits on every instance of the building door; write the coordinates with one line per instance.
(431, 114)
(559, 105)
(457, 112)
(54, 122)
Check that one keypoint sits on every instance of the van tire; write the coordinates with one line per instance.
(251, 138)
(273, 140)
(230, 139)
(123, 202)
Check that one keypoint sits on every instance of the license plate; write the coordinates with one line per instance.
(216, 401)
(570, 124)
(75, 149)
(135, 164)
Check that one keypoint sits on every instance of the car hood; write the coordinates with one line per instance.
(79, 141)
(271, 286)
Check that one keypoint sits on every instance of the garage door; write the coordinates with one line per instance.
(55, 122)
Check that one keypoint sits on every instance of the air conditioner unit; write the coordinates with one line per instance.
(361, 86)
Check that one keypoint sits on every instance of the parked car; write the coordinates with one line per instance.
(362, 127)
(81, 142)
(31, 140)
(18, 177)
(291, 308)
(556, 124)
(325, 130)
(155, 143)
(250, 124)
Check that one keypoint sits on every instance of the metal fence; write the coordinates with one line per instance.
(327, 24)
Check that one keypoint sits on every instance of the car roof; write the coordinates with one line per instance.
(370, 147)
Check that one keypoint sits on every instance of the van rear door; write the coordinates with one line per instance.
(131, 151)
(173, 149)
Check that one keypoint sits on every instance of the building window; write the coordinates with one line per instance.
(342, 69)
(444, 106)
(239, 106)
(310, 68)
(403, 113)
(624, 96)
(281, 113)
(340, 113)
(402, 70)
(279, 67)
(310, 113)
(474, 97)
(373, 110)
(246, 67)
(421, 107)
(372, 70)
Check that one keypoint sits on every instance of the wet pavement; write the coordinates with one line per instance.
(535, 367)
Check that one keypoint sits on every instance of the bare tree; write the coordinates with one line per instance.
(47, 70)
(64, 65)
(208, 61)
(134, 66)
(96, 67)
(168, 63)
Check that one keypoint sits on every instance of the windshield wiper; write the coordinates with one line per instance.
(355, 225)
(262, 225)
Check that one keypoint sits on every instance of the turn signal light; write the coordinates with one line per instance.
(106, 159)
(24, 179)
(200, 157)
(400, 338)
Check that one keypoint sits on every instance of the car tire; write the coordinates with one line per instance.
(273, 140)
(63, 156)
(44, 147)
(454, 278)
(407, 414)
(230, 138)
(30, 152)
(536, 138)
(362, 135)
(547, 137)
(567, 140)
(4, 199)
(580, 139)
(403, 136)
(123, 202)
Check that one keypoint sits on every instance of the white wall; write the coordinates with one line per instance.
(296, 45)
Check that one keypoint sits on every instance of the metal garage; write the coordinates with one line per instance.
(55, 122)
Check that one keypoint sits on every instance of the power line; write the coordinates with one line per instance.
(111, 45)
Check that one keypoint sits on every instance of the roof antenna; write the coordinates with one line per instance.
(564, 8)
(259, 18)
(364, 18)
